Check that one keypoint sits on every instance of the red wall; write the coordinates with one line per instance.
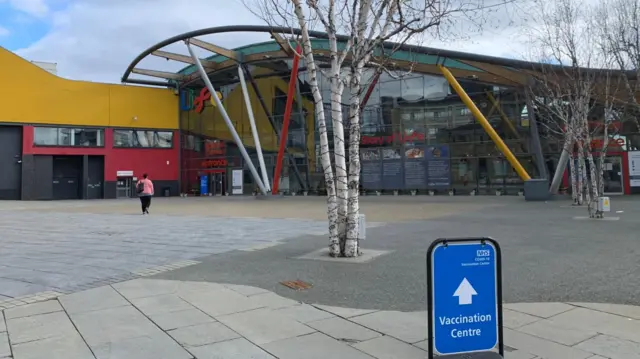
(139, 160)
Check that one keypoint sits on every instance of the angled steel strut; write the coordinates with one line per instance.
(227, 120)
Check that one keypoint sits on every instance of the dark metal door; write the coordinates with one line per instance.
(10, 162)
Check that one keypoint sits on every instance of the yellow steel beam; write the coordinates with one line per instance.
(503, 116)
(485, 124)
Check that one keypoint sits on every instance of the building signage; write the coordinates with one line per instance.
(598, 143)
(464, 296)
(214, 148)
(395, 138)
(218, 162)
(189, 100)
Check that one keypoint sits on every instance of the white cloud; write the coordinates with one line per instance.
(3, 31)
(37, 8)
(96, 40)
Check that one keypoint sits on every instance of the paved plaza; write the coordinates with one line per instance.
(160, 319)
(95, 279)
(48, 249)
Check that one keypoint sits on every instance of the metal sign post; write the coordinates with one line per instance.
(464, 295)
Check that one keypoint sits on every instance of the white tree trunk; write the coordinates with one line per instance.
(337, 87)
(352, 247)
(594, 185)
(575, 191)
(581, 176)
(332, 206)
(573, 170)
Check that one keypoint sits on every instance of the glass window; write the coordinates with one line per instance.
(63, 136)
(87, 137)
(142, 139)
(122, 138)
(164, 139)
(45, 136)
(412, 89)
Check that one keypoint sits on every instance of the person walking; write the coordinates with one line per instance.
(144, 187)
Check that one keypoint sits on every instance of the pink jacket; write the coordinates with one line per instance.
(148, 186)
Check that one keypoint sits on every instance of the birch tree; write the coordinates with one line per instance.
(564, 85)
(617, 24)
(359, 35)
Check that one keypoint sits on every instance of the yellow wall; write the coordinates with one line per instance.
(209, 122)
(31, 95)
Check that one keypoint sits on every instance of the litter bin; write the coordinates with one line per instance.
(536, 190)
(166, 191)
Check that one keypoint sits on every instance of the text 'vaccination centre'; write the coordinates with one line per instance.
(64, 139)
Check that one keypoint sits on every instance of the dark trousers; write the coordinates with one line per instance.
(145, 202)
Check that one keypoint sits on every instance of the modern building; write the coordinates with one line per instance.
(85, 140)
(63, 139)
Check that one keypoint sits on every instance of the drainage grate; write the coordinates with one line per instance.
(296, 284)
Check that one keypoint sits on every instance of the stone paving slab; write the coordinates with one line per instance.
(377, 209)
(47, 250)
(203, 334)
(198, 320)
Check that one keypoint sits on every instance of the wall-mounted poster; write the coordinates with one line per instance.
(392, 171)
(204, 185)
(634, 168)
(415, 167)
(236, 182)
(371, 167)
(438, 166)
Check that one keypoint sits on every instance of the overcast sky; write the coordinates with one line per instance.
(95, 40)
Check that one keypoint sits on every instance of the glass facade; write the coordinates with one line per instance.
(416, 134)
(142, 138)
(65, 136)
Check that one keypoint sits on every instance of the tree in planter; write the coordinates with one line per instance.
(579, 96)
(564, 93)
(368, 26)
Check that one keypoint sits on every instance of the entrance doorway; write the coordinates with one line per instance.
(612, 175)
(123, 187)
(218, 183)
(11, 162)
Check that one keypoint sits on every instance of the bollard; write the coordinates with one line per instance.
(362, 227)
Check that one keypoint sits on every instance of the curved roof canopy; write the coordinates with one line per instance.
(487, 69)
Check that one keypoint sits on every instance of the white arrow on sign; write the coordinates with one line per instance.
(465, 292)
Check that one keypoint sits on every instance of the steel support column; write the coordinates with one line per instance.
(285, 122)
(535, 137)
(560, 169)
(365, 99)
(227, 120)
(254, 130)
(503, 116)
(272, 122)
(485, 124)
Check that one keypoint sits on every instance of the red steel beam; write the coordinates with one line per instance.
(365, 99)
(285, 122)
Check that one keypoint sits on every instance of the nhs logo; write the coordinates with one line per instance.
(483, 253)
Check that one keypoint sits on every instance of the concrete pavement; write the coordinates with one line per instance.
(96, 252)
(158, 319)
(47, 250)
(547, 256)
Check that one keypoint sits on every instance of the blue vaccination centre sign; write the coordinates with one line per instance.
(465, 296)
